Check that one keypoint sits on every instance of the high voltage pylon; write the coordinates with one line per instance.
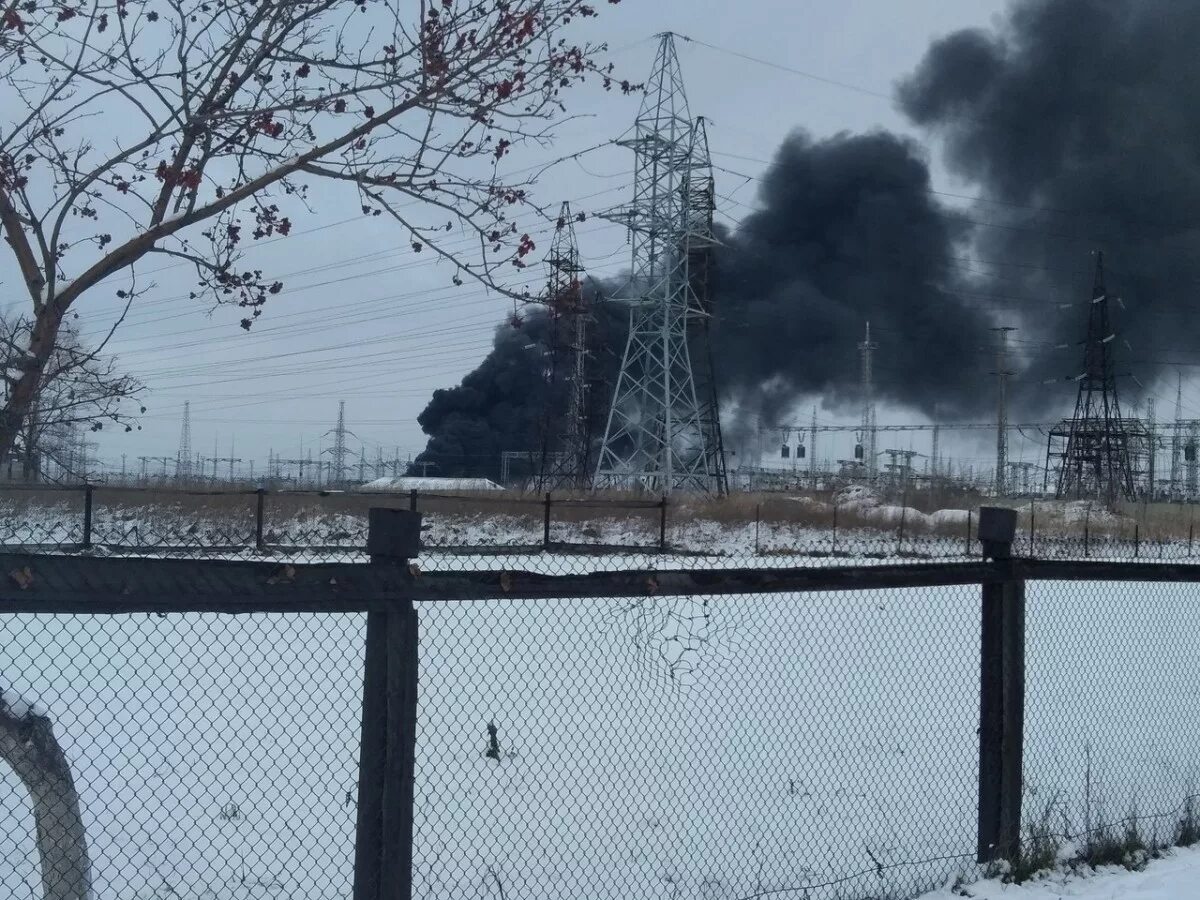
(566, 435)
(663, 429)
(337, 453)
(1097, 449)
(183, 456)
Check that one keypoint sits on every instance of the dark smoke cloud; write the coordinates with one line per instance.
(847, 232)
(1076, 121)
(502, 405)
(496, 407)
(1080, 122)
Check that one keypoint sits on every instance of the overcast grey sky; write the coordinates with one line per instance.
(363, 320)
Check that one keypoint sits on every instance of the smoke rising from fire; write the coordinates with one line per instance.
(1077, 125)
(1079, 120)
(847, 232)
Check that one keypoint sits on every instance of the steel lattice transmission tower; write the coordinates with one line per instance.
(566, 436)
(663, 430)
(337, 453)
(1098, 450)
(183, 456)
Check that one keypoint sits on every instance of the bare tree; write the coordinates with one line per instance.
(184, 128)
(81, 390)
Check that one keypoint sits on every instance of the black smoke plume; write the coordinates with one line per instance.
(509, 402)
(847, 232)
(1076, 123)
(1079, 120)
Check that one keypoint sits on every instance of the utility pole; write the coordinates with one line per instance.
(812, 451)
(935, 444)
(1152, 429)
(183, 456)
(1002, 375)
(866, 349)
(1177, 440)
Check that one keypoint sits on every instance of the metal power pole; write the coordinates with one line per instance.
(183, 457)
(812, 451)
(1177, 441)
(866, 349)
(1152, 450)
(1002, 374)
(566, 438)
(663, 427)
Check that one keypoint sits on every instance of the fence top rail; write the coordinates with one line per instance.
(161, 492)
(34, 583)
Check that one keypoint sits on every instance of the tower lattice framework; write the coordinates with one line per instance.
(1098, 450)
(183, 456)
(663, 429)
(566, 432)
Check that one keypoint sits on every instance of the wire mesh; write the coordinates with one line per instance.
(215, 757)
(1112, 713)
(817, 745)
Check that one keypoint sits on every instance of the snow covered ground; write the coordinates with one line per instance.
(818, 745)
(1175, 877)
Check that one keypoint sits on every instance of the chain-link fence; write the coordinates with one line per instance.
(557, 533)
(745, 746)
(757, 734)
(1112, 746)
(215, 756)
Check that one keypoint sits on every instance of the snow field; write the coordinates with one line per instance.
(1176, 877)
(809, 745)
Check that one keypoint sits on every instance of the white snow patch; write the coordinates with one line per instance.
(949, 517)
(1175, 877)
(429, 485)
(894, 515)
(856, 496)
(22, 707)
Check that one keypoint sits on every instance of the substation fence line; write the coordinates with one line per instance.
(400, 710)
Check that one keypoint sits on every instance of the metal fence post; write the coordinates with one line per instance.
(1032, 533)
(758, 516)
(412, 501)
(1001, 692)
(87, 516)
(1137, 540)
(1087, 536)
(967, 551)
(383, 844)
(546, 524)
(260, 508)
(662, 524)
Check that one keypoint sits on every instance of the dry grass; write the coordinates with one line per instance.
(1147, 523)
